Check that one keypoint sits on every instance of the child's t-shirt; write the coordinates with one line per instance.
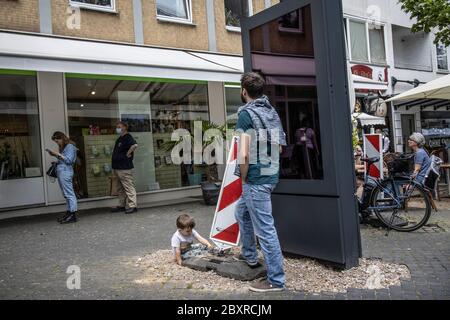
(183, 242)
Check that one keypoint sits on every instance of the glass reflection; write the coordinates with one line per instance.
(283, 52)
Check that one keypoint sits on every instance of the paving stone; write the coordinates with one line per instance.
(35, 253)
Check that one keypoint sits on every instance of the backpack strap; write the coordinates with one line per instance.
(259, 117)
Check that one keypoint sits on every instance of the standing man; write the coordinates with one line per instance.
(385, 140)
(122, 164)
(259, 179)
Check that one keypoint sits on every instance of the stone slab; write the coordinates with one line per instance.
(226, 267)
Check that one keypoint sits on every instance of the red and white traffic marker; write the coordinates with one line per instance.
(225, 229)
(373, 147)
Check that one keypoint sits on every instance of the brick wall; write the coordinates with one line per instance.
(227, 41)
(258, 6)
(20, 15)
(230, 41)
(96, 24)
(24, 15)
(175, 34)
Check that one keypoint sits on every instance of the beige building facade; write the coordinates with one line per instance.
(130, 21)
(81, 66)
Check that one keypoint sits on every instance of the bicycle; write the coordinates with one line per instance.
(399, 202)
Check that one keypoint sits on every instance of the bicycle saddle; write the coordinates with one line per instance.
(371, 160)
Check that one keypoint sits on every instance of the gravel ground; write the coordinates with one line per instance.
(301, 275)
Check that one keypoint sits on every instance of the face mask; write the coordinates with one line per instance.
(119, 130)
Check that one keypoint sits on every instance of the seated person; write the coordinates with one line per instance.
(183, 239)
(422, 161)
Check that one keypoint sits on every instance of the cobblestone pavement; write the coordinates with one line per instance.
(35, 253)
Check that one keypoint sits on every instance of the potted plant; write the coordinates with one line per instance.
(210, 187)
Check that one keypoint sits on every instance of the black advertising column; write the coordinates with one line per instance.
(299, 47)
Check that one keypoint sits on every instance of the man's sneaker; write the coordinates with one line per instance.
(131, 210)
(252, 265)
(265, 286)
(118, 209)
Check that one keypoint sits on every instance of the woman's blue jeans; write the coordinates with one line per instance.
(65, 176)
(254, 215)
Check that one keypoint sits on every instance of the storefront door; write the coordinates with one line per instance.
(408, 128)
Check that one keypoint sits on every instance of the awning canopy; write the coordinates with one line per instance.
(436, 89)
(284, 70)
(436, 104)
(37, 52)
(362, 83)
(368, 120)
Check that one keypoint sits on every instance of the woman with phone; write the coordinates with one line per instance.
(66, 155)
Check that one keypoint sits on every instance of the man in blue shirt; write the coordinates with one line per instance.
(261, 136)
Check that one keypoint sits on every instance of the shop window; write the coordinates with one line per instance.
(233, 102)
(287, 61)
(234, 10)
(153, 110)
(20, 141)
(102, 5)
(442, 57)
(299, 112)
(176, 10)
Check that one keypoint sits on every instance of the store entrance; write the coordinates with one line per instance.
(408, 128)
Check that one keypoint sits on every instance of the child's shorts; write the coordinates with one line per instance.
(195, 250)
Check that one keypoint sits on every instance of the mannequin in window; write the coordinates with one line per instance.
(306, 143)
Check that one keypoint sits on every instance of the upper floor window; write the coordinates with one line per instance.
(102, 5)
(176, 10)
(412, 50)
(366, 42)
(234, 10)
(442, 57)
(292, 22)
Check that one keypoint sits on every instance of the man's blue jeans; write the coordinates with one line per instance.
(65, 175)
(254, 215)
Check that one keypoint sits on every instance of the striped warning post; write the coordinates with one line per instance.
(373, 148)
(225, 229)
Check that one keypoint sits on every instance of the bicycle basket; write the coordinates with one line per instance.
(401, 164)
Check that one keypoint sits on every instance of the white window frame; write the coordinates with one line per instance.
(369, 54)
(95, 7)
(177, 20)
(448, 61)
(238, 29)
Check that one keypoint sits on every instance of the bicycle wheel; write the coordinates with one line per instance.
(406, 212)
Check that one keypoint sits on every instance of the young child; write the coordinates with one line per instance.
(183, 238)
